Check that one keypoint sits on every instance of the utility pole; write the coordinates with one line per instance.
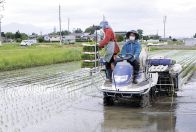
(60, 24)
(1, 16)
(68, 22)
(103, 18)
(164, 22)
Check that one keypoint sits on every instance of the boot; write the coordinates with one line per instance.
(108, 75)
(135, 80)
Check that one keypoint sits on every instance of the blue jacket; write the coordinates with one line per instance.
(132, 47)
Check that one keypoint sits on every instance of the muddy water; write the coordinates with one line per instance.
(53, 99)
(87, 113)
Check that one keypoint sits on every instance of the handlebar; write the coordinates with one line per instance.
(128, 56)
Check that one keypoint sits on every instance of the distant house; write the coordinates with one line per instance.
(85, 37)
(7, 40)
(33, 36)
(46, 38)
(52, 38)
(82, 36)
(190, 41)
(55, 38)
(165, 39)
(154, 37)
(77, 35)
(152, 41)
(69, 39)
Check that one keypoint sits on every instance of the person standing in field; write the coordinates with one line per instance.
(111, 47)
(133, 47)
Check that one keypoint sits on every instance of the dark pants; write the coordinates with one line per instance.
(136, 67)
(109, 69)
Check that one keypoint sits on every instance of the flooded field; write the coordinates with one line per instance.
(63, 98)
(87, 113)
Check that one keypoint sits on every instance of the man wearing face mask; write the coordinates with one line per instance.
(133, 47)
(111, 47)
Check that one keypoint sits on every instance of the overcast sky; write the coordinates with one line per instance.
(122, 15)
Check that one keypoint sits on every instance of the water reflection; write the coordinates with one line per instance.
(159, 117)
(166, 115)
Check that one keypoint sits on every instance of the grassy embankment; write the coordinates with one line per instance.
(13, 56)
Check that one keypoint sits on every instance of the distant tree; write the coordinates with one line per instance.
(119, 38)
(18, 40)
(90, 30)
(78, 30)
(2, 34)
(40, 39)
(194, 36)
(24, 36)
(53, 33)
(34, 34)
(156, 37)
(18, 35)
(9, 35)
(140, 32)
(170, 37)
(174, 39)
(64, 32)
(146, 38)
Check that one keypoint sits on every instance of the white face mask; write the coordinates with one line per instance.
(131, 38)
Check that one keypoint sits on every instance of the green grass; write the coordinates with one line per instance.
(12, 56)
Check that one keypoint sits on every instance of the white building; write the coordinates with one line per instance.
(190, 41)
(152, 41)
(46, 38)
(52, 38)
(55, 39)
(69, 39)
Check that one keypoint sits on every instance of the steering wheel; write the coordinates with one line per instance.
(128, 56)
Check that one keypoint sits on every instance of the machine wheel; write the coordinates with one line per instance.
(107, 100)
(145, 100)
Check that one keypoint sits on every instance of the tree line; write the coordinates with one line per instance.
(17, 36)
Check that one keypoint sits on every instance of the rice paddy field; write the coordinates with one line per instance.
(13, 56)
(65, 98)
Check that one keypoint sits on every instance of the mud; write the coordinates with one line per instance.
(87, 113)
(62, 98)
